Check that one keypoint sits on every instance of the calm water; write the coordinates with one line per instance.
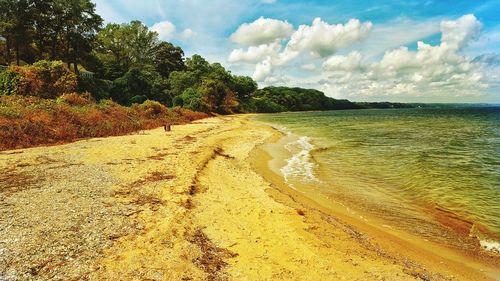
(393, 162)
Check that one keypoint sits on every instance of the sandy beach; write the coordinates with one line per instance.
(197, 203)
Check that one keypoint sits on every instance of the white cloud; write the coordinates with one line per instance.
(323, 39)
(165, 30)
(350, 62)
(456, 34)
(254, 54)
(188, 33)
(309, 67)
(262, 70)
(402, 32)
(435, 71)
(262, 31)
(269, 1)
(318, 39)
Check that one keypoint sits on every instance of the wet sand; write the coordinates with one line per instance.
(197, 203)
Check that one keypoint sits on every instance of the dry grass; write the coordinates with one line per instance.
(32, 121)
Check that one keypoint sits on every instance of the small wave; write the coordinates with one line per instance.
(300, 166)
(282, 129)
(489, 245)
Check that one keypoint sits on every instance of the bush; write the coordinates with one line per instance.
(55, 78)
(76, 99)
(29, 121)
(152, 109)
(45, 79)
(9, 82)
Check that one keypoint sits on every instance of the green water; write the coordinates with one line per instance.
(392, 162)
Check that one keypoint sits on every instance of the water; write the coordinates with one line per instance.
(401, 165)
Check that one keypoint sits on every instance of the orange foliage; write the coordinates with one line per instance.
(30, 121)
(77, 99)
(45, 79)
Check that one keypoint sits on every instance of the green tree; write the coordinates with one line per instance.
(80, 25)
(168, 58)
(193, 100)
(198, 65)
(137, 82)
(16, 27)
(128, 45)
(244, 87)
(179, 81)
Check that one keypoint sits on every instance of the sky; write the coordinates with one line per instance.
(372, 50)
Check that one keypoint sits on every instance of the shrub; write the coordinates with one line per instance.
(9, 82)
(152, 109)
(56, 79)
(45, 79)
(29, 121)
(76, 99)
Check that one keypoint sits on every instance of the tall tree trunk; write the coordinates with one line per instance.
(77, 71)
(53, 50)
(17, 53)
(8, 57)
(75, 59)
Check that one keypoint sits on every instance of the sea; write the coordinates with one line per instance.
(427, 171)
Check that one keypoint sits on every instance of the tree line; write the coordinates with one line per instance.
(127, 63)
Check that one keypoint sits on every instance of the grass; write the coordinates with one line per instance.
(32, 121)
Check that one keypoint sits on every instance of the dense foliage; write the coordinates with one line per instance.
(61, 47)
(29, 121)
(45, 79)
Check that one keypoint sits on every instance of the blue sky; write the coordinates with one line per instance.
(361, 50)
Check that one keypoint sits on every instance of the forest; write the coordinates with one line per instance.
(65, 75)
(126, 63)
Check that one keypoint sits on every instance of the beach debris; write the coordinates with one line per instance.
(212, 258)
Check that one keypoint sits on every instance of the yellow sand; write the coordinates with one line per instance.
(213, 216)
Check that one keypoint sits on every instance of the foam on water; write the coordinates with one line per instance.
(300, 166)
(490, 245)
(395, 163)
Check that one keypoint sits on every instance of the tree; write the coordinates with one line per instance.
(80, 25)
(129, 45)
(218, 96)
(179, 81)
(244, 86)
(198, 65)
(193, 100)
(16, 27)
(55, 29)
(137, 82)
(168, 58)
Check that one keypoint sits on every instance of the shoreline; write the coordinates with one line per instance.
(415, 246)
(195, 203)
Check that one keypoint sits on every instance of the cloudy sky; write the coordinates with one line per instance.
(423, 51)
